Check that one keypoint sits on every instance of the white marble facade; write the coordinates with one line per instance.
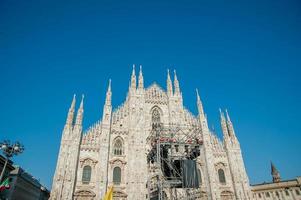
(113, 150)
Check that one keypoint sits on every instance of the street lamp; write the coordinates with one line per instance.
(9, 150)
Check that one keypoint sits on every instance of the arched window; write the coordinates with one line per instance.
(86, 174)
(117, 175)
(117, 147)
(156, 116)
(200, 176)
(221, 176)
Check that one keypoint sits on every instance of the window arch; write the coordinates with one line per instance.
(156, 116)
(200, 176)
(117, 175)
(117, 147)
(86, 174)
(221, 176)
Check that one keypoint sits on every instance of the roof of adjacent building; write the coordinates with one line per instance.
(282, 184)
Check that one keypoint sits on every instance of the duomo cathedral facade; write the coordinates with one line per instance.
(113, 151)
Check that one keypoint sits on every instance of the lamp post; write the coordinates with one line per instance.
(9, 150)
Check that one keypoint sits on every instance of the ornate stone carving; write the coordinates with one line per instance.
(87, 161)
(227, 195)
(220, 165)
(119, 195)
(154, 94)
(84, 195)
(117, 162)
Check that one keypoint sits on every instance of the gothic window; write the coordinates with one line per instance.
(86, 174)
(116, 175)
(117, 147)
(200, 176)
(156, 116)
(221, 176)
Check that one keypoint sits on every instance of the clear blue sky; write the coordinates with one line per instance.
(242, 55)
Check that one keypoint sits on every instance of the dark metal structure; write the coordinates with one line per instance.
(172, 162)
(9, 150)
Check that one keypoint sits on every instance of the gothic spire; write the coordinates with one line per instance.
(133, 79)
(141, 82)
(275, 174)
(228, 117)
(81, 106)
(176, 83)
(70, 115)
(230, 126)
(79, 116)
(107, 108)
(169, 84)
(109, 94)
(199, 103)
(224, 125)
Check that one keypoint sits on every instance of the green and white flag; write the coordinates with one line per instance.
(4, 185)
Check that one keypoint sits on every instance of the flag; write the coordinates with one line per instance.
(109, 194)
(4, 185)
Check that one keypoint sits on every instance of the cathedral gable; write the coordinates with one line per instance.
(155, 94)
(120, 114)
(90, 140)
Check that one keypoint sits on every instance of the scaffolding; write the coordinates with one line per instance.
(170, 145)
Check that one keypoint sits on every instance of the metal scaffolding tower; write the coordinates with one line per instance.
(172, 148)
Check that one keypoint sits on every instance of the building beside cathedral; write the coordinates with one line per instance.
(278, 189)
(113, 150)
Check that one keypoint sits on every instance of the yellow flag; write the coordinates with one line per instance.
(109, 194)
